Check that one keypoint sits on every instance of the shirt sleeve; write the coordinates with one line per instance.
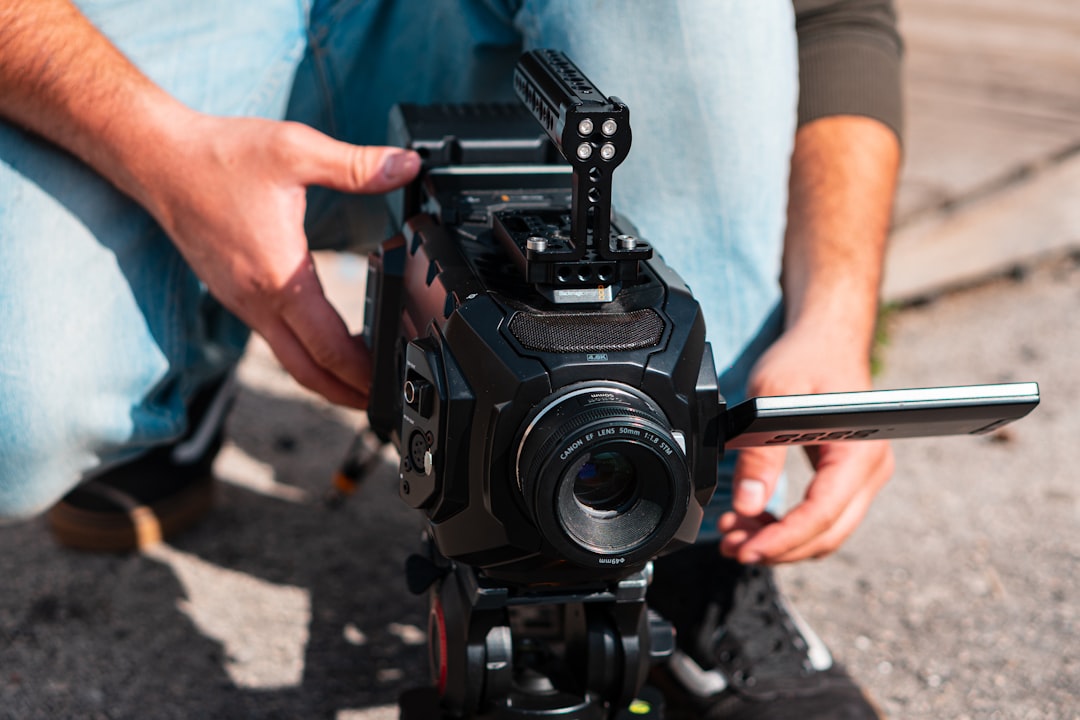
(849, 60)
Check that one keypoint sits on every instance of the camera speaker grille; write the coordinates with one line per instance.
(588, 332)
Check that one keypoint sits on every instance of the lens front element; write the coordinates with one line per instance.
(606, 484)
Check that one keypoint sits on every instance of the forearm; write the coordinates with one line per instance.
(844, 168)
(843, 178)
(64, 80)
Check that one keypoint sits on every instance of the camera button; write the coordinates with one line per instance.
(419, 395)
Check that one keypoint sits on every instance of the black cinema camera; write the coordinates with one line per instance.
(546, 380)
(552, 395)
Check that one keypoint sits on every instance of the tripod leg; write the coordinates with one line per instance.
(363, 457)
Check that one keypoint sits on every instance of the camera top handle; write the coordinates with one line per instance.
(593, 133)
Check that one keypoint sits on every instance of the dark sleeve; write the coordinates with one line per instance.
(849, 60)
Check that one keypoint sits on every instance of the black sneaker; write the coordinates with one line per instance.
(743, 653)
(136, 505)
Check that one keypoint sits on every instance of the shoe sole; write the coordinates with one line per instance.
(138, 528)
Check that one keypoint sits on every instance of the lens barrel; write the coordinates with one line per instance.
(603, 476)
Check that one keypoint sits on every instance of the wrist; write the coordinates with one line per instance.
(813, 357)
(145, 153)
(844, 320)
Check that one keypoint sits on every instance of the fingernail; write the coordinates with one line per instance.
(752, 495)
(401, 165)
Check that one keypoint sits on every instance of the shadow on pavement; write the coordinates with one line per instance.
(275, 606)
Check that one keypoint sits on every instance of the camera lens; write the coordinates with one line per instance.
(606, 484)
(602, 475)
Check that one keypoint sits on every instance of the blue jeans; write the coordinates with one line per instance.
(106, 332)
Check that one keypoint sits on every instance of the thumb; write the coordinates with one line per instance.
(355, 168)
(757, 471)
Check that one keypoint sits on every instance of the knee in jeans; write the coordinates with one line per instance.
(47, 444)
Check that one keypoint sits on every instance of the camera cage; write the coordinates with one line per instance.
(576, 257)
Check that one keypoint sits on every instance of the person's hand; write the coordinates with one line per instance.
(847, 475)
(233, 199)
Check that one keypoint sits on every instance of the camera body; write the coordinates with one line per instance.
(553, 398)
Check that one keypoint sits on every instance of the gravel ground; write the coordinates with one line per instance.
(956, 598)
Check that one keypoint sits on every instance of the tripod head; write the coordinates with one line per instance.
(499, 654)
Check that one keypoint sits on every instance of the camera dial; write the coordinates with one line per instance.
(603, 475)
